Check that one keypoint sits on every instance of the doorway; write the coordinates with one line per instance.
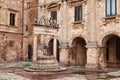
(113, 51)
(78, 55)
(30, 50)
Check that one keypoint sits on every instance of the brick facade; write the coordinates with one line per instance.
(10, 35)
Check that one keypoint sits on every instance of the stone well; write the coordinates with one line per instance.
(45, 63)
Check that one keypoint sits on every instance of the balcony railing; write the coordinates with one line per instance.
(46, 22)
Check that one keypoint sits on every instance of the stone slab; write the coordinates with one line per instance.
(11, 76)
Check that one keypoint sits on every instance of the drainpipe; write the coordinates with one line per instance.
(21, 56)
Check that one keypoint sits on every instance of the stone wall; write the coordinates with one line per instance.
(94, 28)
(10, 36)
(30, 16)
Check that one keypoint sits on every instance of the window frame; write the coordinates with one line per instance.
(53, 17)
(111, 13)
(12, 19)
(78, 13)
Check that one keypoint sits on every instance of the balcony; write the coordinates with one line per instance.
(9, 29)
(45, 26)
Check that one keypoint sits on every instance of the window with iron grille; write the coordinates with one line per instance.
(78, 13)
(12, 19)
(54, 15)
(111, 7)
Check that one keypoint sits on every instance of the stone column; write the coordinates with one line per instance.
(92, 46)
(42, 44)
(64, 30)
(92, 56)
(64, 53)
(102, 57)
(55, 47)
(35, 48)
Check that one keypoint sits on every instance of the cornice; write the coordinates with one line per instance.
(76, 2)
(10, 9)
(53, 5)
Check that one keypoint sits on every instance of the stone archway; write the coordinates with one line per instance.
(50, 49)
(78, 55)
(111, 51)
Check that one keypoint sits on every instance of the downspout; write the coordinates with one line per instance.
(21, 57)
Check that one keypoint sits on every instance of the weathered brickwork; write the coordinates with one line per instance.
(30, 16)
(10, 35)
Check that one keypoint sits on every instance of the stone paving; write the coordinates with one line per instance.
(8, 73)
(73, 77)
(11, 76)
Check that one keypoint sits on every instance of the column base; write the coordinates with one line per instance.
(92, 66)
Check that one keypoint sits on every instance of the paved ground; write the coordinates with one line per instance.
(14, 71)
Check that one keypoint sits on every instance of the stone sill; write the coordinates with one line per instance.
(9, 26)
(12, 26)
(111, 17)
(77, 22)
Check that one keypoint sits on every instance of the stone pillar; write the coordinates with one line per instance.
(92, 56)
(42, 45)
(102, 57)
(64, 53)
(92, 46)
(55, 47)
(35, 48)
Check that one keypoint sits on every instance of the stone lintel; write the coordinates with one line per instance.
(76, 2)
(13, 10)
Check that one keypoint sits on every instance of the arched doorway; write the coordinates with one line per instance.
(50, 49)
(30, 50)
(112, 51)
(78, 55)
